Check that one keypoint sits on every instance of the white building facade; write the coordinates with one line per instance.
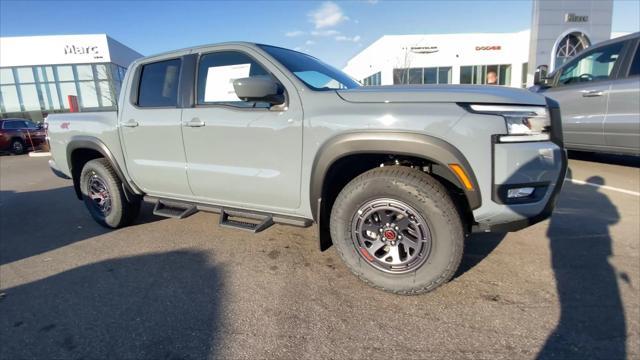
(39, 73)
(559, 30)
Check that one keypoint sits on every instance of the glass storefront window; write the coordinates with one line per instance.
(29, 92)
(50, 96)
(29, 97)
(372, 80)
(101, 72)
(415, 76)
(486, 74)
(67, 89)
(106, 96)
(84, 72)
(88, 94)
(430, 76)
(25, 75)
(6, 76)
(65, 73)
(10, 100)
(444, 75)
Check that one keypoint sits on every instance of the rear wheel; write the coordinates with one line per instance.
(397, 229)
(17, 146)
(104, 195)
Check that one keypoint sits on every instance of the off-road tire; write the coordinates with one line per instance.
(123, 212)
(424, 194)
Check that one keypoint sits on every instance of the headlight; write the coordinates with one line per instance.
(524, 123)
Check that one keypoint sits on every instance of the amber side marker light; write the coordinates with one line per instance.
(457, 169)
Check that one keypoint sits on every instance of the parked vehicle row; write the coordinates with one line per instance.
(599, 93)
(19, 135)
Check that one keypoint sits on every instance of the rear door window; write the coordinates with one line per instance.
(12, 125)
(159, 84)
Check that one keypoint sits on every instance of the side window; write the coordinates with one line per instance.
(13, 125)
(216, 73)
(592, 66)
(635, 64)
(159, 84)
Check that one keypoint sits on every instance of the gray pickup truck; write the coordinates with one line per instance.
(394, 177)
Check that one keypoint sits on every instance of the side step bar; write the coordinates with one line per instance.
(247, 220)
(174, 210)
(237, 220)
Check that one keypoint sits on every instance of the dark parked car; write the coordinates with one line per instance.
(18, 135)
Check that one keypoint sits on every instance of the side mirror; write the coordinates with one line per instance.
(540, 76)
(258, 88)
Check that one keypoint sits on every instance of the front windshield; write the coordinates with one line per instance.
(316, 74)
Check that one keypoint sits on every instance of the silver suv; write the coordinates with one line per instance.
(599, 93)
(394, 177)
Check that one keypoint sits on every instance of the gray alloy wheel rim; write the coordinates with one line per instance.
(99, 194)
(17, 146)
(391, 236)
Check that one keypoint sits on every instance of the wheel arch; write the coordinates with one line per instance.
(418, 146)
(82, 149)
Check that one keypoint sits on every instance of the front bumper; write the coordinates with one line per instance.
(56, 171)
(538, 165)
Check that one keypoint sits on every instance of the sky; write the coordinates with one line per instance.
(331, 30)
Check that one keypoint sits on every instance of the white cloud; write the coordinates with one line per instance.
(294, 33)
(309, 42)
(347, 38)
(372, 2)
(325, 33)
(329, 14)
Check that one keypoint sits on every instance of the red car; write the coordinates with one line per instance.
(18, 135)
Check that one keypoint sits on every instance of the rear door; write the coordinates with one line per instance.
(242, 154)
(622, 124)
(582, 89)
(151, 129)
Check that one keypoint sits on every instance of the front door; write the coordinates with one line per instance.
(582, 89)
(151, 131)
(242, 154)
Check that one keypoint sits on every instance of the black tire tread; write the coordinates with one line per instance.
(430, 187)
(130, 210)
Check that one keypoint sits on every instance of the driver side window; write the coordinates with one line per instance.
(592, 66)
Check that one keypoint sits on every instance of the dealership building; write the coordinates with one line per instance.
(40, 75)
(559, 30)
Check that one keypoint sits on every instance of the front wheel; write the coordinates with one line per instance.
(104, 196)
(17, 147)
(398, 230)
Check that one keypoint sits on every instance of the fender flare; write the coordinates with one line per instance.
(93, 143)
(422, 146)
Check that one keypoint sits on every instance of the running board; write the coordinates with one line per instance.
(174, 210)
(246, 221)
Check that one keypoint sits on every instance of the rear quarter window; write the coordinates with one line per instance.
(159, 84)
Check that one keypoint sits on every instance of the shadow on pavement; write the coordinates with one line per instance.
(476, 248)
(623, 160)
(157, 306)
(592, 322)
(35, 222)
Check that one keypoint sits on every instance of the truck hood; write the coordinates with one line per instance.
(441, 93)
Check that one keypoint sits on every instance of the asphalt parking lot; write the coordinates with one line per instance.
(567, 288)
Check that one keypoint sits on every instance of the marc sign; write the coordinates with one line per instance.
(82, 50)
